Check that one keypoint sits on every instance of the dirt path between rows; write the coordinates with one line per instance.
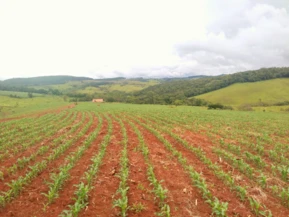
(184, 199)
(66, 194)
(32, 149)
(40, 113)
(269, 201)
(140, 190)
(30, 196)
(264, 196)
(106, 184)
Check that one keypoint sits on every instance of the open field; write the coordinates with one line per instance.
(100, 86)
(271, 91)
(18, 94)
(144, 160)
(18, 106)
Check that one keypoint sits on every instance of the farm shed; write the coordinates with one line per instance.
(97, 100)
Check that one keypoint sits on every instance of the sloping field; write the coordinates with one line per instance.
(16, 106)
(18, 94)
(96, 86)
(271, 91)
(131, 160)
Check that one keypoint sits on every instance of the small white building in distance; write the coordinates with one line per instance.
(97, 100)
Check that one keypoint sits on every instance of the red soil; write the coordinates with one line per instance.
(269, 201)
(40, 113)
(183, 198)
(216, 186)
(17, 128)
(31, 150)
(66, 194)
(196, 139)
(25, 203)
(106, 184)
(139, 186)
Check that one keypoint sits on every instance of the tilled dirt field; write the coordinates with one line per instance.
(142, 166)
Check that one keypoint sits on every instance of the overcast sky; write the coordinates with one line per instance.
(148, 38)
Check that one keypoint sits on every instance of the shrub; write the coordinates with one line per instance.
(219, 106)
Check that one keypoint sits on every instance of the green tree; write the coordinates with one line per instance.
(30, 95)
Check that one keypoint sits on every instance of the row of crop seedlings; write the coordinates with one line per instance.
(26, 131)
(279, 154)
(276, 154)
(193, 123)
(58, 179)
(10, 146)
(84, 187)
(159, 191)
(42, 150)
(282, 169)
(262, 147)
(257, 176)
(122, 201)
(8, 127)
(17, 121)
(227, 178)
(218, 208)
(24, 126)
(262, 138)
(30, 139)
(16, 186)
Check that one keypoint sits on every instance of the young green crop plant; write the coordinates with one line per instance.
(138, 207)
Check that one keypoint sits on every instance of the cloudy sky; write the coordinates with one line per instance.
(148, 38)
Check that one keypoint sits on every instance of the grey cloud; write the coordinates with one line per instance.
(257, 37)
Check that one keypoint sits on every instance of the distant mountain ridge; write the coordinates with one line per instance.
(43, 80)
(62, 79)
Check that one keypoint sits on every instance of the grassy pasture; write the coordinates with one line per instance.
(271, 91)
(17, 106)
(18, 94)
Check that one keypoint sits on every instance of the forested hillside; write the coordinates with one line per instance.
(168, 92)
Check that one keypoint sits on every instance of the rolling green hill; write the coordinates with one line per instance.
(101, 85)
(78, 88)
(256, 93)
(169, 92)
(249, 87)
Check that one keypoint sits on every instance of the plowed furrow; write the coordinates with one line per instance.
(101, 197)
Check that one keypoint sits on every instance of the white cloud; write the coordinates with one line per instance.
(135, 38)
